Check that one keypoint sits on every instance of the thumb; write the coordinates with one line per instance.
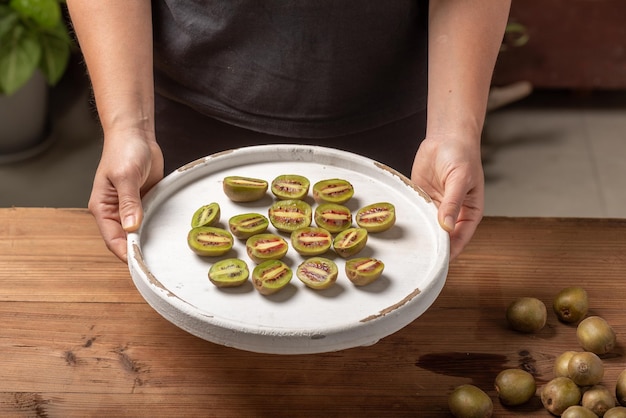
(450, 207)
(131, 211)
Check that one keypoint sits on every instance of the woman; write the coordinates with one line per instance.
(405, 83)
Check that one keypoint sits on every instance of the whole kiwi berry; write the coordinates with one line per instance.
(585, 368)
(559, 394)
(515, 386)
(577, 411)
(596, 335)
(571, 304)
(469, 401)
(527, 314)
(599, 399)
(616, 412)
(620, 388)
(561, 363)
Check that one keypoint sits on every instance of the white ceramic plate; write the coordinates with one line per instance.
(297, 319)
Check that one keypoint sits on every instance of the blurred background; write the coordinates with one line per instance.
(554, 140)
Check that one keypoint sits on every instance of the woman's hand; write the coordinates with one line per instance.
(464, 40)
(129, 166)
(450, 171)
(115, 38)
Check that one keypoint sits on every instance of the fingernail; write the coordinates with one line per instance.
(129, 222)
(448, 223)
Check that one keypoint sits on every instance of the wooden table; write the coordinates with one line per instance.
(77, 339)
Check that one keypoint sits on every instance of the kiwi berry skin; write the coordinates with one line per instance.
(598, 399)
(561, 363)
(559, 394)
(571, 304)
(585, 368)
(578, 411)
(596, 335)
(469, 401)
(515, 386)
(620, 388)
(616, 412)
(527, 314)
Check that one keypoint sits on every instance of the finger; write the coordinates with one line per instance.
(105, 205)
(108, 223)
(130, 208)
(450, 206)
(461, 236)
(115, 238)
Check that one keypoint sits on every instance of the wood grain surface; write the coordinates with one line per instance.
(77, 339)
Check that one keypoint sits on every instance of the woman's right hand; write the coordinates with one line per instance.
(115, 38)
(129, 166)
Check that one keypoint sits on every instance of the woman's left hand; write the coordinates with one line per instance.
(451, 172)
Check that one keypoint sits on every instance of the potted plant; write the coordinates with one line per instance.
(35, 48)
(515, 36)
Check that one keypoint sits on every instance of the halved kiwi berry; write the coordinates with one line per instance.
(206, 215)
(209, 241)
(290, 186)
(271, 276)
(289, 215)
(244, 189)
(317, 273)
(230, 272)
(376, 217)
(363, 271)
(247, 224)
(349, 242)
(311, 241)
(333, 191)
(333, 217)
(262, 247)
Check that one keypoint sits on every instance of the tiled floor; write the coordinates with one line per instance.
(557, 154)
(551, 154)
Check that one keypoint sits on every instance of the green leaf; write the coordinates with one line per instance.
(55, 46)
(8, 19)
(515, 35)
(46, 13)
(20, 53)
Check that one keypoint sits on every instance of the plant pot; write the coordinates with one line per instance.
(24, 121)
